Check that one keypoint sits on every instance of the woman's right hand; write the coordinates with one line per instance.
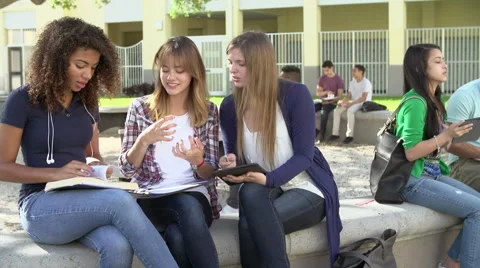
(71, 170)
(159, 131)
(456, 130)
(228, 161)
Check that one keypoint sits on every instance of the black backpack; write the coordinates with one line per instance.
(370, 106)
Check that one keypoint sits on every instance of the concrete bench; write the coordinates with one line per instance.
(366, 125)
(418, 244)
(112, 118)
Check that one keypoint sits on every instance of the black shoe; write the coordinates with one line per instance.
(319, 139)
(333, 138)
(347, 140)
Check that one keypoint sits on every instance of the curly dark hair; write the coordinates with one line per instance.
(50, 61)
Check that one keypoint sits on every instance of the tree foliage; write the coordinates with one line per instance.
(179, 8)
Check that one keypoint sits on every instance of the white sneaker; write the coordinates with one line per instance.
(440, 265)
(228, 210)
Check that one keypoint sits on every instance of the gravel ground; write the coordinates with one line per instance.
(350, 165)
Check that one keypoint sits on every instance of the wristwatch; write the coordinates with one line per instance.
(195, 167)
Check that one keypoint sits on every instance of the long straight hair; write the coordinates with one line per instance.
(415, 76)
(260, 91)
(185, 54)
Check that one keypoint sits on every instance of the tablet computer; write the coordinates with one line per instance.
(238, 171)
(473, 135)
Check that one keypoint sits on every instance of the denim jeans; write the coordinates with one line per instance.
(326, 110)
(232, 199)
(266, 215)
(447, 195)
(184, 219)
(108, 221)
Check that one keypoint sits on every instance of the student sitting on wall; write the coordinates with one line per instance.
(171, 138)
(420, 124)
(329, 85)
(272, 122)
(54, 119)
(359, 91)
(465, 157)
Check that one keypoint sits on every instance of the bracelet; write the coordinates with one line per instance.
(201, 164)
(195, 167)
(436, 142)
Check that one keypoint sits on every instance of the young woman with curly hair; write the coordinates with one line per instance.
(171, 138)
(54, 119)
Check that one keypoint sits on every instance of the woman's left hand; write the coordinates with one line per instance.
(256, 177)
(194, 155)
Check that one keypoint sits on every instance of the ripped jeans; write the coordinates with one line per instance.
(447, 195)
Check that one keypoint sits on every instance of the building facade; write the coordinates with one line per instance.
(374, 33)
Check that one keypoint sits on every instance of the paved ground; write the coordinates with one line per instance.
(350, 166)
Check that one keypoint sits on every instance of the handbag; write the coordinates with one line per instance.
(390, 168)
(378, 255)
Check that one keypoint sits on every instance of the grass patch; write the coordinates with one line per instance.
(121, 101)
(391, 102)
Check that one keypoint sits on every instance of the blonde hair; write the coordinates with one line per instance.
(260, 91)
(185, 54)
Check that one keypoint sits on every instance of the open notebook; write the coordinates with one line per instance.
(89, 183)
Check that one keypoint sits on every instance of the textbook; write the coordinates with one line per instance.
(97, 179)
(89, 183)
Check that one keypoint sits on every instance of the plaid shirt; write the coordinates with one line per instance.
(150, 173)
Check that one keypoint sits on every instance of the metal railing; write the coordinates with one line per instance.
(461, 49)
(131, 59)
(288, 49)
(212, 49)
(368, 48)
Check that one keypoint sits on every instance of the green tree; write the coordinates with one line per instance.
(179, 8)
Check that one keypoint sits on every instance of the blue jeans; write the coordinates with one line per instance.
(447, 195)
(108, 221)
(184, 219)
(266, 215)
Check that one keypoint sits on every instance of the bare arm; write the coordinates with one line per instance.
(362, 99)
(95, 146)
(339, 95)
(426, 147)
(321, 92)
(348, 97)
(465, 150)
(10, 139)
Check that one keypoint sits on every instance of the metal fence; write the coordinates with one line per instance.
(212, 49)
(461, 48)
(131, 64)
(368, 48)
(288, 49)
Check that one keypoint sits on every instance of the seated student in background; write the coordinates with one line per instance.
(292, 73)
(54, 120)
(420, 124)
(272, 122)
(330, 84)
(465, 157)
(359, 91)
(171, 138)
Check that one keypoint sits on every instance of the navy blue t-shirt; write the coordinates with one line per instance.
(72, 127)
